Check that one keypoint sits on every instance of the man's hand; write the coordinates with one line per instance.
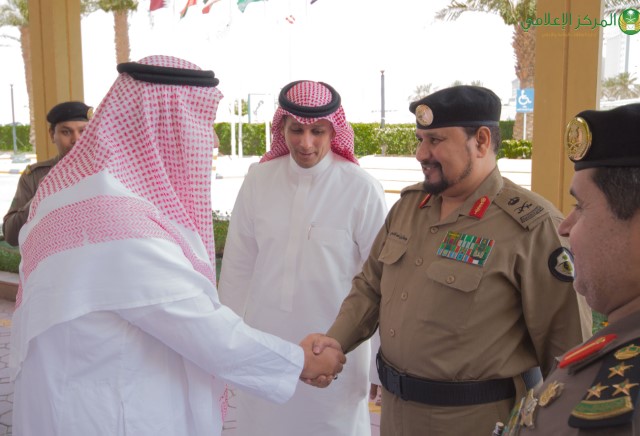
(321, 368)
(375, 394)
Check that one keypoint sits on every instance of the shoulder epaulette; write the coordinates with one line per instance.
(522, 205)
(411, 188)
(43, 164)
(612, 397)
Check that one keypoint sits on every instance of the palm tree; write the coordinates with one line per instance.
(524, 43)
(420, 92)
(15, 13)
(120, 9)
(620, 87)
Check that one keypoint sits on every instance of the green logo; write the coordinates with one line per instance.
(629, 21)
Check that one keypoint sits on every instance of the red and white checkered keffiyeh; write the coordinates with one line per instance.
(312, 94)
(140, 173)
(157, 140)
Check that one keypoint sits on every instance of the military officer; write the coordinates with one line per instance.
(594, 389)
(66, 123)
(468, 279)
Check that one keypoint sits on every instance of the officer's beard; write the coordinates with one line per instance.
(443, 184)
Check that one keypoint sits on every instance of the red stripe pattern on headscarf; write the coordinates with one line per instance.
(157, 140)
(312, 94)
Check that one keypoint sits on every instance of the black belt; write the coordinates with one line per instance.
(442, 393)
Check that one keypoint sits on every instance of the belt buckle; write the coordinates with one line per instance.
(395, 382)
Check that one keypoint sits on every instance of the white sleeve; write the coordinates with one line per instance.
(219, 342)
(240, 253)
(373, 370)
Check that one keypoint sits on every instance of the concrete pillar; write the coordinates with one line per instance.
(56, 62)
(566, 82)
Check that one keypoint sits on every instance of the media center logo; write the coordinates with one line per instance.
(629, 21)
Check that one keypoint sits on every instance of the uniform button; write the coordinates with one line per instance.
(451, 279)
(433, 230)
(419, 261)
(392, 332)
(404, 296)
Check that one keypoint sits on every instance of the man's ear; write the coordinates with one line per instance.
(483, 141)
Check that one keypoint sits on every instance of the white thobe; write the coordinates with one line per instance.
(296, 239)
(126, 338)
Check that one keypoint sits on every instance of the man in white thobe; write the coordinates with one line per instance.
(118, 328)
(301, 228)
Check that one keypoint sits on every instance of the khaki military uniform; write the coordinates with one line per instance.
(596, 390)
(27, 186)
(452, 320)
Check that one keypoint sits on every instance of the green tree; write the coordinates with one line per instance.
(421, 91)
(15, 13)
(120, 10)
(620, 87)
(523, 43)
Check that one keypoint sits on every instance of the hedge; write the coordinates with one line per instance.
(370, 139)
(394, 140)
(22, 138)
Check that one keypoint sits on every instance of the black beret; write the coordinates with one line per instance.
(460, 106)
(69, 111)
(604, 138)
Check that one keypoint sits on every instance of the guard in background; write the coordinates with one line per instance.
(66, 123)
(468, 279)
(594, 389)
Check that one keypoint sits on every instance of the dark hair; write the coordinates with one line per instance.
(621, 188)
(495, 135)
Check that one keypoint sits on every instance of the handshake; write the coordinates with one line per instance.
(323, 360)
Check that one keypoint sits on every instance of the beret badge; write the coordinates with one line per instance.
(577, 138)
(424, 115)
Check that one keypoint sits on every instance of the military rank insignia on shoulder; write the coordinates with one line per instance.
(45, 163)
(611, 398)
(521, 205)
(411, 188)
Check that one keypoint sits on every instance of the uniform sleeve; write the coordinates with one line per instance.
(19, 210)
(240, 253)
(219, 342)
(359, 313)
(372, 219)
(373, 215)
(549, 302)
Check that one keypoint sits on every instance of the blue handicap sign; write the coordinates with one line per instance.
(524, 100)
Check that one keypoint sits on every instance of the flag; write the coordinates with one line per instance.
(184, 10)
(207, 5)
(242, 4)
(156, 4)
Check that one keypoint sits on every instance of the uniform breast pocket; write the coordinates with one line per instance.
(391, 255)
(450, 293)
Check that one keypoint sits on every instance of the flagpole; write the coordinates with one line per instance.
(233, 128)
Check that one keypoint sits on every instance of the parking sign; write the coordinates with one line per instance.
(524, 100)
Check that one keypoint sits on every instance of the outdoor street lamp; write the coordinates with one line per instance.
(382, 99)
(13, 124)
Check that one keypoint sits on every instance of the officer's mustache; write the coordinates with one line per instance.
(430, 163)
